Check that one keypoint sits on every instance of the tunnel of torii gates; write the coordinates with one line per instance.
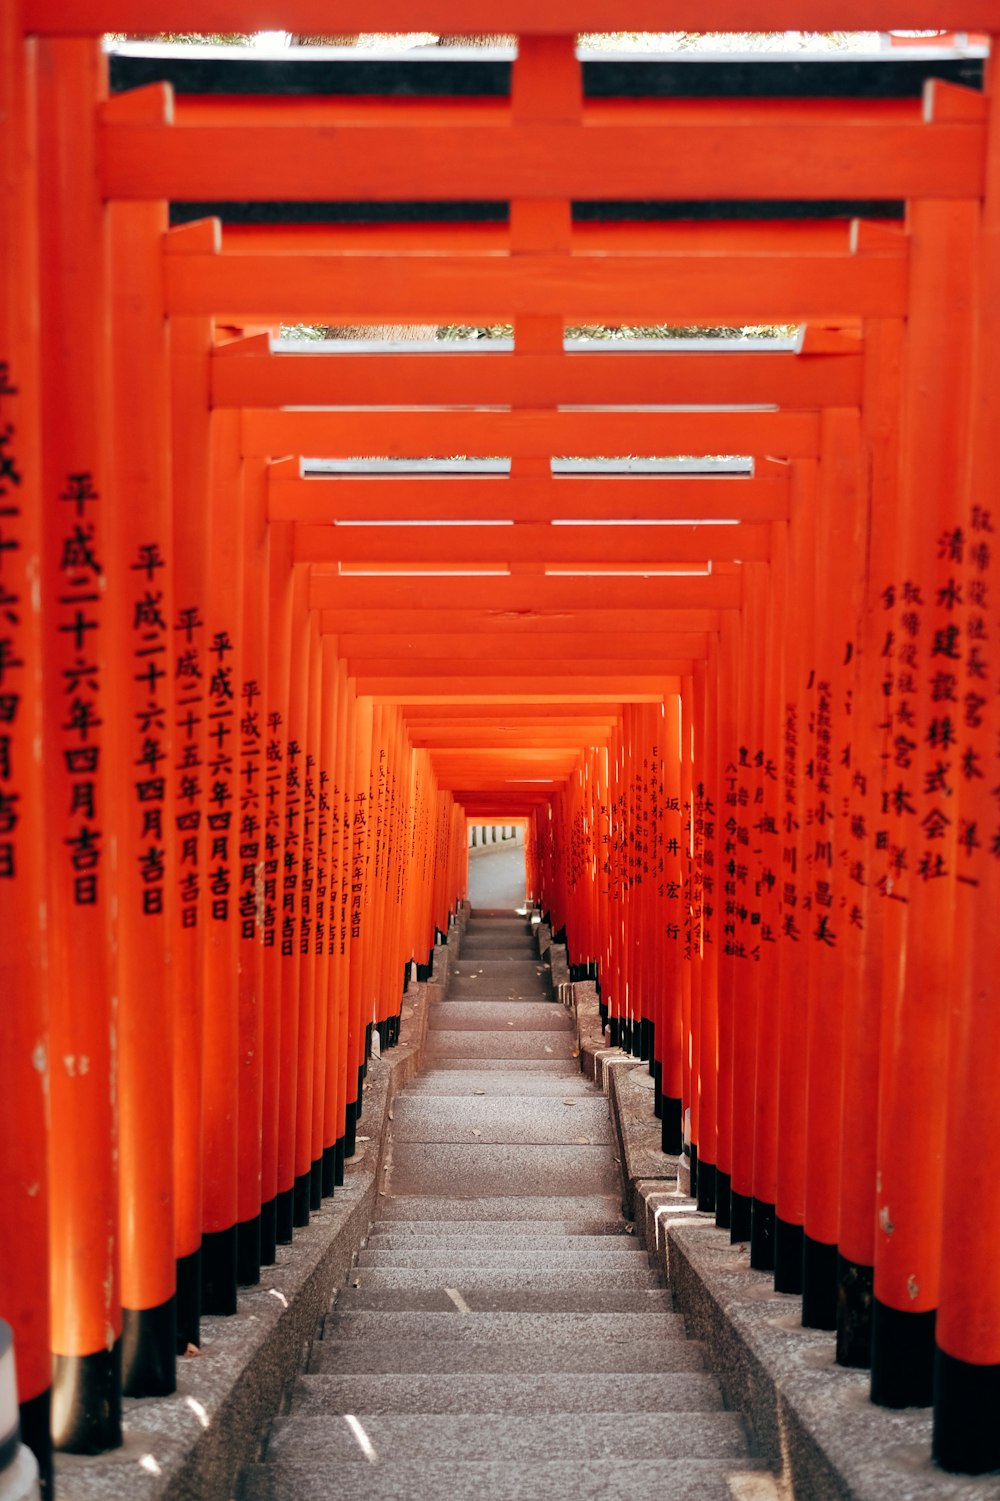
(747, 709)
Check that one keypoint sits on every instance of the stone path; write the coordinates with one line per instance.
(503, 1336)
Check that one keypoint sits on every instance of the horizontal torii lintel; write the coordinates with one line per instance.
(457, 498)
(404, 433)
(463, 645)
(474, 17)
(358, 289)
(846, 150)
(510, 691)
(491, 668)
(538, 594)
(527, 542)
(487, 379)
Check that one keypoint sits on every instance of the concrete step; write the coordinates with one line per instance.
(663, 1392)
(709, 1435)
(436, 1232)
(486, 1210)
(502, 967)
(513, 1300)
(590, 1329)
(482, 988)
(559, 1043)
(512, 1358)
(486, 1014)
(495, 1170)
(499, 1480)
(461, 1083)
(469, 1279)
(599, 1251)
(538, 1235)
(549, 1068)
(535, 1122)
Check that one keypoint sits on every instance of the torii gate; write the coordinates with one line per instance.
(240, 738)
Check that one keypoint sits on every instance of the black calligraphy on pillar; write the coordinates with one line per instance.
(322, 862)
(189, 702)
(13, 655)
(150, 637)
(221, 774)
(292, 846)
(309, 813)
(275, 762)
(978, 759)
(359, 859)
(251, 883)
(79, 616)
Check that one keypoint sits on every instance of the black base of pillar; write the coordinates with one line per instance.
(269, 1232)
(658, 1089)
(671, 1127)
(285, 1222)
(723, 1197)
(351, 1128)
(188, 1301)
(218, 1271)
(559, 937)
(359, 1102)
(787, 1256)
(248, 1252)
(761, 1235)
(603, 1012)
(650, 1053)
(338, 1159)
(316, 1184)
(854, 1313)
(614, 1030)
(87, 1401)
(902, 1357)
(966, 1402)
(706, 1187)
(329, 1171)
(406, 976)
(149, 1350)
(36, 1424)
(693, 1154)
(301, 1192)
(637, 1038)
(819, 1284)
(739, 1217)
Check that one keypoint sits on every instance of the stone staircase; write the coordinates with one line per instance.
(502, 1335)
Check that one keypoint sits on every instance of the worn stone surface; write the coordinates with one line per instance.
(710, 1435)
(19, 1481)
(501, 1334)
(533, 1480)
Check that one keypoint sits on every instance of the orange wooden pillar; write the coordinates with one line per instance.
(190, 346)
(319, 937)
(308, 1167)
(221, 1015)
(250, 837)
(967, 1360)
(706, 852)
(141, 554)
(765, 833)
(795, 932)
(839, 583)
(343, 792)
(277, 1040)
(358, 906)
(333, 759)
(726, 692)
(671, 1025)
(864, 906)
(924, 654)
(80, 710)
(24, 1229)
(293, 1177)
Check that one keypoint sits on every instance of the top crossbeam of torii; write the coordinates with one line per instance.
(525, 17)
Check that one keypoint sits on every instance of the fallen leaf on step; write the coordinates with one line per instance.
(362, 1138)
(192, 1350)
(569, 1102)
(583, 1141)
(575, 1053)
(477, 1133)
(357, 1282)
(629, 1229)
(547, 1048)
(390, 1115)
(479, 1091)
